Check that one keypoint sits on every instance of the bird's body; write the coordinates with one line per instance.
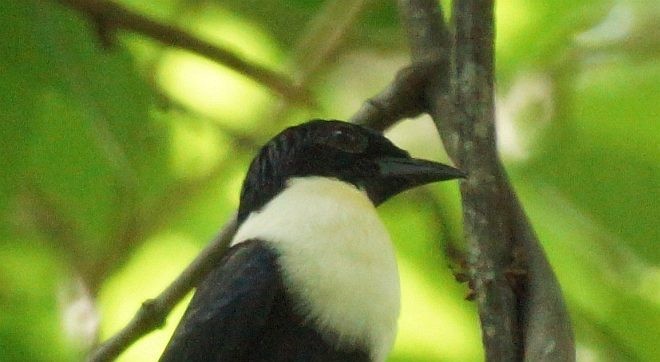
(311, 274)
(337, 256)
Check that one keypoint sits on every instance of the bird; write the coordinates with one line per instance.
(311, 273)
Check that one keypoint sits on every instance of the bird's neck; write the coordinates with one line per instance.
(336, 258)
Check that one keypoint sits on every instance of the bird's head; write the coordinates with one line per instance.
(340, 150)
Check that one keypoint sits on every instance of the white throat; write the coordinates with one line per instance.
(336, 257)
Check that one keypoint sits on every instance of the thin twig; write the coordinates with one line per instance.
(110, 16)
(403, 98)
(319, 44)
(153, 312)
(325, 36)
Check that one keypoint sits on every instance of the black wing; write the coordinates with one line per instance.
(230, 307)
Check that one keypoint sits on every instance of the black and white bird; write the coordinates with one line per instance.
(311, 274)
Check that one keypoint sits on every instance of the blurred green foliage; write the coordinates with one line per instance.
(121, 160)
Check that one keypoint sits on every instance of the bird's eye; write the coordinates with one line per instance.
(347, 141)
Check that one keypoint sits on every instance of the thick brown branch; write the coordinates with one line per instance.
(428, 35)
(110, 16)
(430, 41)
(520, 303)
(547, 330)
(486, 221)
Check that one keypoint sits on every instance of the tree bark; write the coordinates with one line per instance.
(521, 309)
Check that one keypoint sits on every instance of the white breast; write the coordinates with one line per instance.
(336, 255)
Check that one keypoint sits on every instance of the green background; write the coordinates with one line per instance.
(120, 161)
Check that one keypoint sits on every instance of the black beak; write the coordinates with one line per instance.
(417, 171)
(397, 174)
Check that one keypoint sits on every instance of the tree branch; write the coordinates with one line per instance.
(153, 312)
(487, 224)
(110, 16)
(320, 44)
(327, 32)
(431, 41)
(522, 312)
(403, 98)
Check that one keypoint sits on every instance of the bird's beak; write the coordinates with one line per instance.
(417, 171)
(397, 174)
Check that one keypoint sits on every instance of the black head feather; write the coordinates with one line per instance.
(336, 149)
